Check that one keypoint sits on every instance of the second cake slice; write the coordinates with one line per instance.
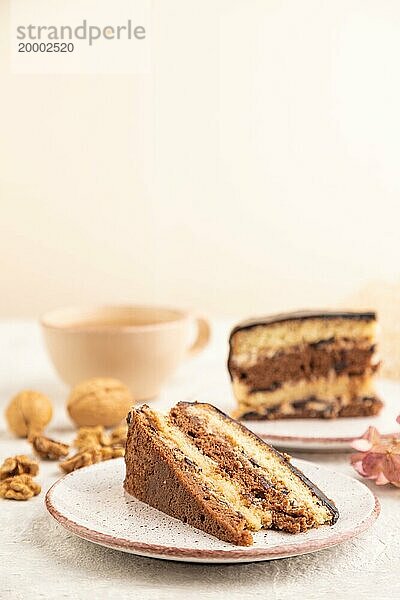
(305, 364)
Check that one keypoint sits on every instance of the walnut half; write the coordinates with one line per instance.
(47, 448)
(20, 487)
(90, 456)
(119, 435)
(18, 465)
(91, 437)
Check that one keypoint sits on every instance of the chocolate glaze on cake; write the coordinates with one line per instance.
(303, 315)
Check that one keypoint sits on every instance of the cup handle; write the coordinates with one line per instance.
(203, 336)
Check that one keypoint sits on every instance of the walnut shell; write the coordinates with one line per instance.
(99, 401)
(28, 412)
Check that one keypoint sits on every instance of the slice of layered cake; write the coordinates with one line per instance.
(200, 466)
(305, 364)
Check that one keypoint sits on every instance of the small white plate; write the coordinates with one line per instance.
(92, 504)
(326, 435)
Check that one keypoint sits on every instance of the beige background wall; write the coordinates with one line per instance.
(255, 168)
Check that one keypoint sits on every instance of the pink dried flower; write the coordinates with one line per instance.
(377, 458)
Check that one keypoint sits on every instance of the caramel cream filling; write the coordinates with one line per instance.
(270, 466)
(328, 388)
(269, 339)
(219, 483)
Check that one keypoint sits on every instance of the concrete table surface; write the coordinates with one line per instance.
(39, 559)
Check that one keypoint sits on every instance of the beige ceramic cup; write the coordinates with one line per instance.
(140, 345)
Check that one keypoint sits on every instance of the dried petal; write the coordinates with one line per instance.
(358, 465)
(372, 435)
(373, 464)
(362, 445)
(378, 458)
(381, 480)
(392, 468)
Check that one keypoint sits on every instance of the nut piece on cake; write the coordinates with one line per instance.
(198, 465)
(305, 364)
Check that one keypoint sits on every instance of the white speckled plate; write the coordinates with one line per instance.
(326, 435)
(92, 504)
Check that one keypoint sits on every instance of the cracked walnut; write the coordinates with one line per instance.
(20, 487)
(48, 449)
(18, 465)
(90, 456)
(91, 437)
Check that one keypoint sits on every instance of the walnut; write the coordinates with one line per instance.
(99, 402)
(90, 456)
(119, 435)
(47, 448)
(28, 412)
(20, 487)
(91, 437)
(18, 465)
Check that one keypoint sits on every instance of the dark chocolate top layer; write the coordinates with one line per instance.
(303, 315)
